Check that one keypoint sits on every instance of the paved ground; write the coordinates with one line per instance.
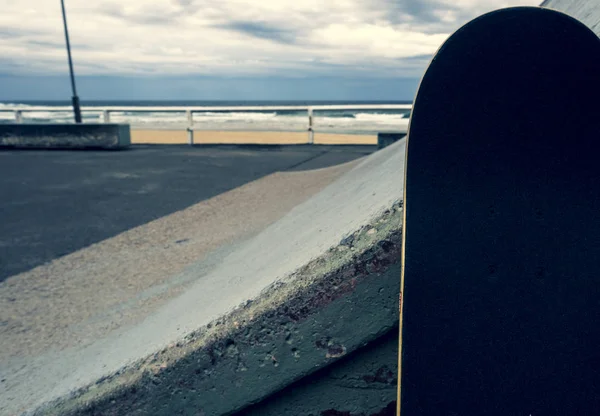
(94, 312)
(56, 202)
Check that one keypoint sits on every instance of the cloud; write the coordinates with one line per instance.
(420, 12)
(261, 31)
(232, 38)
(160, 14)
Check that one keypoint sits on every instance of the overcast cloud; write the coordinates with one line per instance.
(232, 38)
(286, 37)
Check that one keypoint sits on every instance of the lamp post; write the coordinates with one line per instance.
(75, 98)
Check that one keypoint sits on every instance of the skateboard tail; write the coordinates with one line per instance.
(403, 296)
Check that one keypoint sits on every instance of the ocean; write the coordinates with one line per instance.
(331, 121)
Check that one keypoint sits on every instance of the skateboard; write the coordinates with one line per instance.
(500, 291)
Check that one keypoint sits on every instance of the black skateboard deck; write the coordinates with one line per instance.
(500, 301)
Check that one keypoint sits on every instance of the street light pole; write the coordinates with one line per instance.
(75, 98)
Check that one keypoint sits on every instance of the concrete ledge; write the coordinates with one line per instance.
(65, 136)
(385, 139)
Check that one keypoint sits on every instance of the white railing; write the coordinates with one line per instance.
(189, 112)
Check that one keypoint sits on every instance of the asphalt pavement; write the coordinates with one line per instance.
(55, 202)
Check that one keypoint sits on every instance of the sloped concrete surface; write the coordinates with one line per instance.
(307, 280)
(293, 253)
(342, 301)
(53, 312)
(587, 11)
(85, 295)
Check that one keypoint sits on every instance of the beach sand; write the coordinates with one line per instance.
(242, 137)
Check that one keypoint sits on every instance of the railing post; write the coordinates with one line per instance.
(311, 133)
(106, 116)
(18, 116)
(190, 128)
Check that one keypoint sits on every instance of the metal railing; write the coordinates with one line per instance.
(189, 111)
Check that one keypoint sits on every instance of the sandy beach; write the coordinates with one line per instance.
(139, 136)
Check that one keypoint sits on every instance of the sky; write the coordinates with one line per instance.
(226, 49)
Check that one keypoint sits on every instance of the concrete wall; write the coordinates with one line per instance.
(46, 136)
(361, 384)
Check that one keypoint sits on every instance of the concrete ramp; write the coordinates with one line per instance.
(307, 291)
(586, 11)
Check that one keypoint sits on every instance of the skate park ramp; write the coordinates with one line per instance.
(290, 312)
(215, 307)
